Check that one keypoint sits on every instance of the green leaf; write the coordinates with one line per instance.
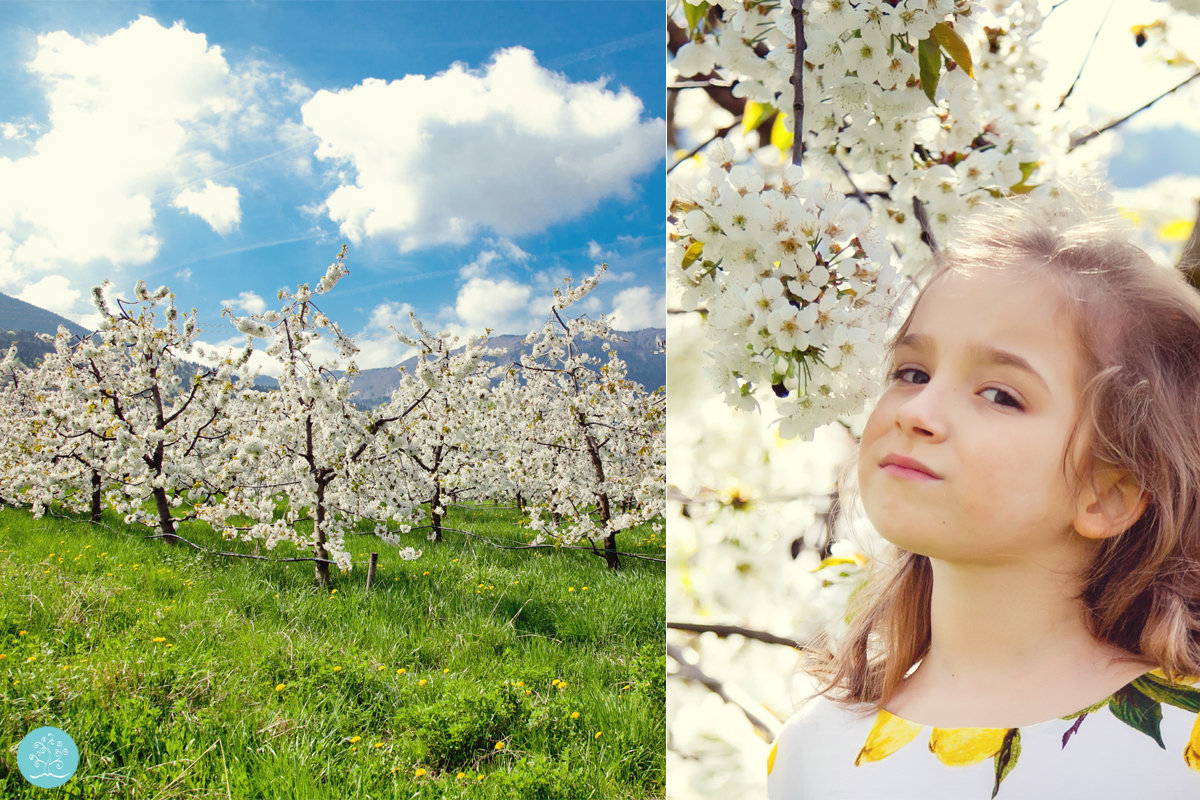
(1163, 691)
(955, 46)
(695, 14)
(1027, 168)
(1138, 712)
(692, 253)
(1006, 756)
(929, 58)
(755, 114)
(781, 135)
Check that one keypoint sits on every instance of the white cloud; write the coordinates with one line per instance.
(215, 204)
(511, 148)
(598, 253)
(249, 302)
(502, 305)
(53, 293)
(86, 190)
(638, 307)
(184, 274)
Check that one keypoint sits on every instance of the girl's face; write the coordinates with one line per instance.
(982, 397)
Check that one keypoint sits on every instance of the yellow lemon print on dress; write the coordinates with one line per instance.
(1191, 753)
(961, 747)
(888, 735)
(771, 756)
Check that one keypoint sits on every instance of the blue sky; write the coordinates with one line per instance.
(471, 154)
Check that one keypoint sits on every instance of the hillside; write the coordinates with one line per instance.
(645, 366)
(17, 315)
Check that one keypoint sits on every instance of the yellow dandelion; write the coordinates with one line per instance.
(574, 715)
(519, 683)
(554, 682)
(585, 588)
(419, 772)
(401, 671)
(3, 656)
(395, 768)
(528, 691)
(337, 669)
(425, 573)
(31, 658)
(562, 684)
(461, 775)
(480, 777)
(355, 739)
(570, 588)
(168, 644)
(158, 639)
(382, 668)
(379, 744)
(422, 682)
(21, 633)
(280, 687)
(445, 670)
(599, 734)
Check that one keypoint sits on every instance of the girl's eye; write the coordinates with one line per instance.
(1002, 397)
(910, 375)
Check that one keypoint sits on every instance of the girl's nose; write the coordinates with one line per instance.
(921, 416)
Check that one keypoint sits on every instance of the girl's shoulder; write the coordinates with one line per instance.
(1143, 740)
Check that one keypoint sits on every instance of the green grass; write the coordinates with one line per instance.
(446, 656)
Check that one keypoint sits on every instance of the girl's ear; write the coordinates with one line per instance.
(1110, 506)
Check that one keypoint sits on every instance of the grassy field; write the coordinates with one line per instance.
(471, 672)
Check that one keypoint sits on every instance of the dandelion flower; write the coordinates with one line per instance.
(554, 682)
(562, 684)
(401, 671)
(445, 670)
(31, 658)
(382, 668)
(425, 573)
(379, 744)
(574, 715)
(585, 588)
(422, 682)
(599, 734)
(3, 656)
(499, 745)
(337, 669)
(168, 644)
(461, 775)
(21, 633)
(419, 772)
(280, 687)
(158, 639)
(355, 739)
(570, 588)
(519, 683)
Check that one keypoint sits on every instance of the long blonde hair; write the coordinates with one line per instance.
(1138, 329)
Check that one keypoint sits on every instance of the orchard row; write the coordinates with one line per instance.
(124, 419)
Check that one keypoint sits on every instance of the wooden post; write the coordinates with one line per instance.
(371, 570)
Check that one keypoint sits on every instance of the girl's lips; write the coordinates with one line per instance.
(908, 468)
(897, 471)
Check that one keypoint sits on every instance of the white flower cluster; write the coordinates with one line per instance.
(796, 284)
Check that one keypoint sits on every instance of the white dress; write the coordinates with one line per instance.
(1141, 743)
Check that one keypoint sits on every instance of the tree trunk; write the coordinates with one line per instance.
(610, 541)
(322, 567)
(434, 515)
(165, 521)
(95, 515)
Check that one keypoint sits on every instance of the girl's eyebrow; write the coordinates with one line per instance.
(980, 352)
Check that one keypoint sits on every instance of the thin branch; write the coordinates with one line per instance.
(759, 717)
(721, 132)
(798, 84)
(724, 631)
(1051, 11)
(235, 555)
(923, 221)
(1089, 136)
(1088, 55)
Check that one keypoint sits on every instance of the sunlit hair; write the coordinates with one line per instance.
(1137, 325)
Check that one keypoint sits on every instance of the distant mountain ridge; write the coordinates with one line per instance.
(17, 315)
(645, 366)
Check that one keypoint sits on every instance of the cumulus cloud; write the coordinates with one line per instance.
(510, 148)
(53, 293)
(638, 307)
(249, 302)
(215, 204)
(88, 186)
(597, 253)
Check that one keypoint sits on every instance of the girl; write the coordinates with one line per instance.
(1035, 461)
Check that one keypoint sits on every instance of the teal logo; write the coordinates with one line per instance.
(47, 757)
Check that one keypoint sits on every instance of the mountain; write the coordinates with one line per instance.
(638, 350)
(17, 315)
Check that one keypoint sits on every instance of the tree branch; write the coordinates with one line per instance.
(1089, 136)
(798, 84)
(724, 631)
